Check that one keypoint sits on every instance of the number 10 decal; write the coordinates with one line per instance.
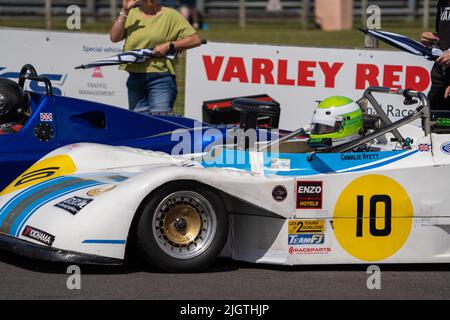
(374, 200)
(373, 217)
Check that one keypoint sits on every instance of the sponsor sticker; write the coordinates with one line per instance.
(302, 250)
(305, 226)
(302, 239)
(445, 148)
(74, 205)
(309, 194)
(279, 193)
(38, 235)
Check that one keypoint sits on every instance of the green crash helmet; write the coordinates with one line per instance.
(338, 118)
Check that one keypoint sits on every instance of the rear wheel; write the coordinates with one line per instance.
(183, 227)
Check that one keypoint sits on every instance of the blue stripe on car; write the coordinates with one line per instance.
(13, 217)
(105, 241)
(22, 219)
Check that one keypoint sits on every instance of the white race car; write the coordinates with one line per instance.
(87, 203)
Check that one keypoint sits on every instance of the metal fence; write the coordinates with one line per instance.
(214, 8)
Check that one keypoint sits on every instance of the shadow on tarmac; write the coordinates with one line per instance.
(134, 265)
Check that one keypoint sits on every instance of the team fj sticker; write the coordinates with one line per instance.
(38, 235)
(309, 194)
(306, 232)
(74, 205)
(306, 239)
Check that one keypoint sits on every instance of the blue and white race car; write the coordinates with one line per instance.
(285, 203)
(51, 121)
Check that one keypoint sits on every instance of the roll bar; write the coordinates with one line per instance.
(422, 111)
(28, 72)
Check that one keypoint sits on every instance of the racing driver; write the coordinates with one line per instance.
(14, 106)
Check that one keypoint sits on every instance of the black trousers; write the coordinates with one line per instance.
(440, 80)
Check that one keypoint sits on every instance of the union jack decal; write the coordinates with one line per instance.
(46, 117)
(424, 147)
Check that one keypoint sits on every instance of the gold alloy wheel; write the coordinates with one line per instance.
(184, 224)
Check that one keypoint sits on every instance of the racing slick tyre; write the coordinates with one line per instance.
(183, 227)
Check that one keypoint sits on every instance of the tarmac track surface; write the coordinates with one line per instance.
(24, 278)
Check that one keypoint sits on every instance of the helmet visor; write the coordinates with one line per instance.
(320, 128)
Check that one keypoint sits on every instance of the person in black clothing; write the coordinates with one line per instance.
(439, 94)
(14, 107)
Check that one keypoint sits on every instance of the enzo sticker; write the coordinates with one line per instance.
(309, 194)
(38, 235)
(74, 205)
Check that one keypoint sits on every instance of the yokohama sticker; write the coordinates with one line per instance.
(38, 235)
(309, 194)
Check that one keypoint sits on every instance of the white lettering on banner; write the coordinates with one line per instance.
(297, 77)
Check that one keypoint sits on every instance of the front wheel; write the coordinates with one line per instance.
(183, 227)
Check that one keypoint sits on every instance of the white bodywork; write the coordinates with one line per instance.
(422, 235)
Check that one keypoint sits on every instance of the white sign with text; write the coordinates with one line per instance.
(55, 54)
(298, 77)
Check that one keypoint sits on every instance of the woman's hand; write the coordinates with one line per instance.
(161, 50)
(117, 32)
(127, 5)
(427, 38)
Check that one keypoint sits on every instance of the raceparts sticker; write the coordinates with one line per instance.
(303, 250)
(309, 194)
